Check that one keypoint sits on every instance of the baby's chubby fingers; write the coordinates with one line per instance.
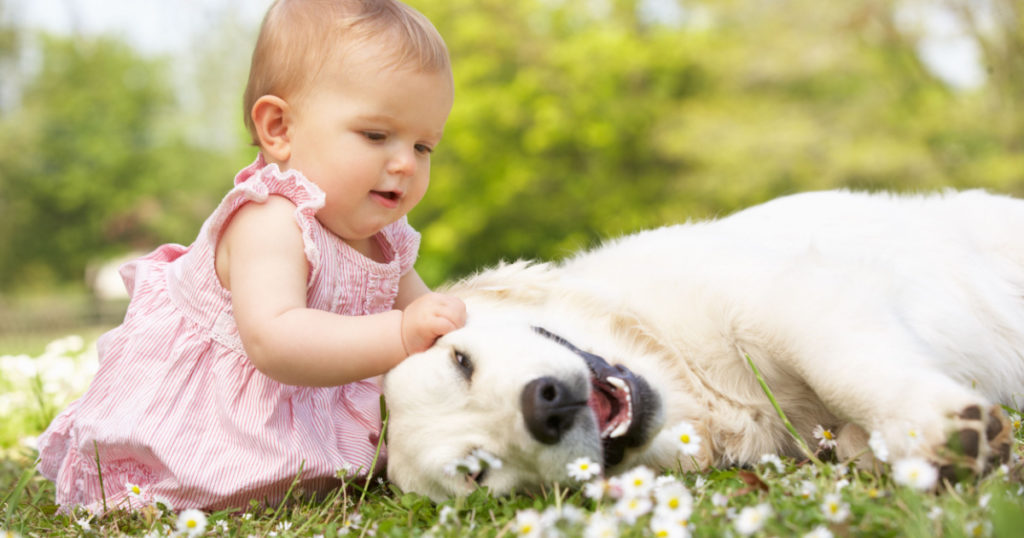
(428, 318)
(452, 310)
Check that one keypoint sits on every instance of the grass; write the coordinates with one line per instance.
(877, 507)
(796, 498)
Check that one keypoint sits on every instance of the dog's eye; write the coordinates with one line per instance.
(462, 361)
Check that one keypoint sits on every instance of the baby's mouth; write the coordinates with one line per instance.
(388, 195)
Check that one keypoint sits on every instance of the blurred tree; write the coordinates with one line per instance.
(551, 142)
(578, 120)
(88, 168)
(9, 46)
(574, 121)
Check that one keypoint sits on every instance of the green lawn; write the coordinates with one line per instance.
(774, 498)
(797, 498)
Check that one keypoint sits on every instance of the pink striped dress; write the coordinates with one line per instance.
(176, 407)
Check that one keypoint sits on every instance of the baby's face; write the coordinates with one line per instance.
(364, 133)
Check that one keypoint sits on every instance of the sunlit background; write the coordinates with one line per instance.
(575, 120)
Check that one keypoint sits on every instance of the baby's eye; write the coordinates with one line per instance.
(375, 136)
(424, 149)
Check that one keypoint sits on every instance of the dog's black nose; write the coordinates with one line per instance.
(549, 409)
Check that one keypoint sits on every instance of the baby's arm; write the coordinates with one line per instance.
(260, 259)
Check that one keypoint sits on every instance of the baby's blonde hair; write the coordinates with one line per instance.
(298, 37)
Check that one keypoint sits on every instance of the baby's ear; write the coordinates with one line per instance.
(271, 115)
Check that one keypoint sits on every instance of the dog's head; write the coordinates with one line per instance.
(508, 406)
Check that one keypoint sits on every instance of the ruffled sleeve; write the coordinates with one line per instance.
(257, 182)
(405, 241)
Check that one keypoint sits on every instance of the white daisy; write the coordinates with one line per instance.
(665, 480)
(719, 500)
(487, 459)
(674, 501)
(915, 472)
(629, 509)
(977, 528)
(463, 466)
(668, 527)
(446, 515)
(350, 522)
(568, 513)
(597, 489)
(191, 522)
(528, 523)
(752, 518)
(835, 509)
(820, 531)
(774, 461)
(134, 490)
(583, 469)
(687, 437)
(345, 470)
(914, 436)
(984, 500)
(601, 525)
(826, 438)
(165, 506)
(807, 489)
(637, 482)
(878, 446)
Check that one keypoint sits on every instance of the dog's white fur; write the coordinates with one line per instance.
(862, 312)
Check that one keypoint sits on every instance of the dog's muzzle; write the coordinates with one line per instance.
(623, 404)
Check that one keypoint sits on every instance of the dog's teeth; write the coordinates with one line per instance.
(620, 430)
(616, 382)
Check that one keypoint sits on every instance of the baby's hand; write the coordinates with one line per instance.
(428, 318)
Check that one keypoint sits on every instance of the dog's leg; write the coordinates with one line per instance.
(916, 408)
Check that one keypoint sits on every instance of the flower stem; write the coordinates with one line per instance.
(778, 410)
(380, 443)
(99, 473)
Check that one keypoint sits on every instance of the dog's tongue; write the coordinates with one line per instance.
(610, 401)
(602, 407)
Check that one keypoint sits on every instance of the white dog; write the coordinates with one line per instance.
(902, 315)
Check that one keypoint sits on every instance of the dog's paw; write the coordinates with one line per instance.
(979, 441)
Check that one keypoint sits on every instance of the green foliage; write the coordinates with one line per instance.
(89, 168)
(574, 121)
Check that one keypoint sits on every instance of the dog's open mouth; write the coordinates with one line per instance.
(622, 402)
(612, 402)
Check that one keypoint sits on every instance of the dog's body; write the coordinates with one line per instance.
(901, 315)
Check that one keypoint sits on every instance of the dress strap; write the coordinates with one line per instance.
(256, 183)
